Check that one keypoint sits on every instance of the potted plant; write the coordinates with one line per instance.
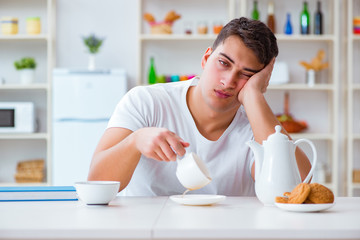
(26, 66)
(93, 43)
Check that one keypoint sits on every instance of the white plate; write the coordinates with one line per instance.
(197, 199)
(304, 207)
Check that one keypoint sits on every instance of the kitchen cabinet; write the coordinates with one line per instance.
(318, 105)
(16, 147)
(353, 99)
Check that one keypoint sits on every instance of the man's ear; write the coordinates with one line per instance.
(205, 57)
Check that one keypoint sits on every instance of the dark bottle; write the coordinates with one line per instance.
(305, 20)
(318, 22)
(288, 27)
(152, 72)
(255, 12)
(271, 17)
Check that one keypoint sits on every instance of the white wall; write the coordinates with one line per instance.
(116, 20)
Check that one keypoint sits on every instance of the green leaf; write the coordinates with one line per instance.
(24, 63)
(93, 43)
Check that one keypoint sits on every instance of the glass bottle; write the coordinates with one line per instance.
(271, 17)
(288, 27)
(255, 12)
(152, 72)
(305, 20)
(318, 28)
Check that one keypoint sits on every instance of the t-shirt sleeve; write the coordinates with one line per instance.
(133, 111)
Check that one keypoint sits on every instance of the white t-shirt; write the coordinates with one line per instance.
(164, 105)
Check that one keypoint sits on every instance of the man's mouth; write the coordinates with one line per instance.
(222, 94)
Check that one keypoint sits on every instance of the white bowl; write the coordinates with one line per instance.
(97, 192)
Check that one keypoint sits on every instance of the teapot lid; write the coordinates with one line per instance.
(278, 136)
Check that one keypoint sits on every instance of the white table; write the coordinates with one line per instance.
(160, 218)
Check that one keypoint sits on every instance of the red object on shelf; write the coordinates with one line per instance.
(287, 120)
(356, 22)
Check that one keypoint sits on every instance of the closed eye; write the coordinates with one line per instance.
(247, 76)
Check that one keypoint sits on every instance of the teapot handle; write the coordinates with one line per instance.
(313, 162)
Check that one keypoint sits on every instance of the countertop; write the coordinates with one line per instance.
(161, 218)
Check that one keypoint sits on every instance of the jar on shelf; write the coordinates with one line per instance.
(188, 27)
(202, 28)
(33, 25)
(9, 25)
(217, 27)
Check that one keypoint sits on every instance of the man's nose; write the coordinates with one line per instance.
(229, 81)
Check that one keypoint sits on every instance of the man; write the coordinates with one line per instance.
(213, 115)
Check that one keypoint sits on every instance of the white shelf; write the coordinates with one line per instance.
(311, 37)
(280, 37)
(355, 185)
(33, 86)
(313, 136)
(24, 136)
(355, 37)
(356, 86)
(176, 37)
(25, 37)
(294, 86)
(356, 136)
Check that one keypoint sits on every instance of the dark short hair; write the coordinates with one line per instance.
(255, 35)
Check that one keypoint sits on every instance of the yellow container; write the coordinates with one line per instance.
(9, 25)
(33, 25)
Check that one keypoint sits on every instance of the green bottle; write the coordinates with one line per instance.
(255, 13)
(152, 72)
(305, 20)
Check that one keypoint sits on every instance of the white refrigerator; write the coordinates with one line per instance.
(83, 102)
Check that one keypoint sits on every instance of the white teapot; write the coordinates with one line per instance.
(276, 170)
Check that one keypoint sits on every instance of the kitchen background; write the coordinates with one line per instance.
(329, 106)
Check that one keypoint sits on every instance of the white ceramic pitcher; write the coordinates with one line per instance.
(276, 170)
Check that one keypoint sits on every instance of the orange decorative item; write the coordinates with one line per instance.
(217, 28)
(162, 27)
(287, 121)
(316, 63)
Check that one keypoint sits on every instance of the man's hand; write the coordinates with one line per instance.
(258, 82)
(159, 143)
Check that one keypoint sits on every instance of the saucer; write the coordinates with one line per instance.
(197, 199)
(304, 207)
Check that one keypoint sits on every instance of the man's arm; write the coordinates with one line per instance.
(115, 158)
(261, 117)
(120, 149)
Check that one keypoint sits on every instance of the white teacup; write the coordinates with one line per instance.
(192, 171)
(97, 192)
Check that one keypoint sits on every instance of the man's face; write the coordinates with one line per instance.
(226, 71)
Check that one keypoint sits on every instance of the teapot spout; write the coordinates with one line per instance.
(258, 151)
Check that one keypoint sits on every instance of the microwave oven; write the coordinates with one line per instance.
(17, 117)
